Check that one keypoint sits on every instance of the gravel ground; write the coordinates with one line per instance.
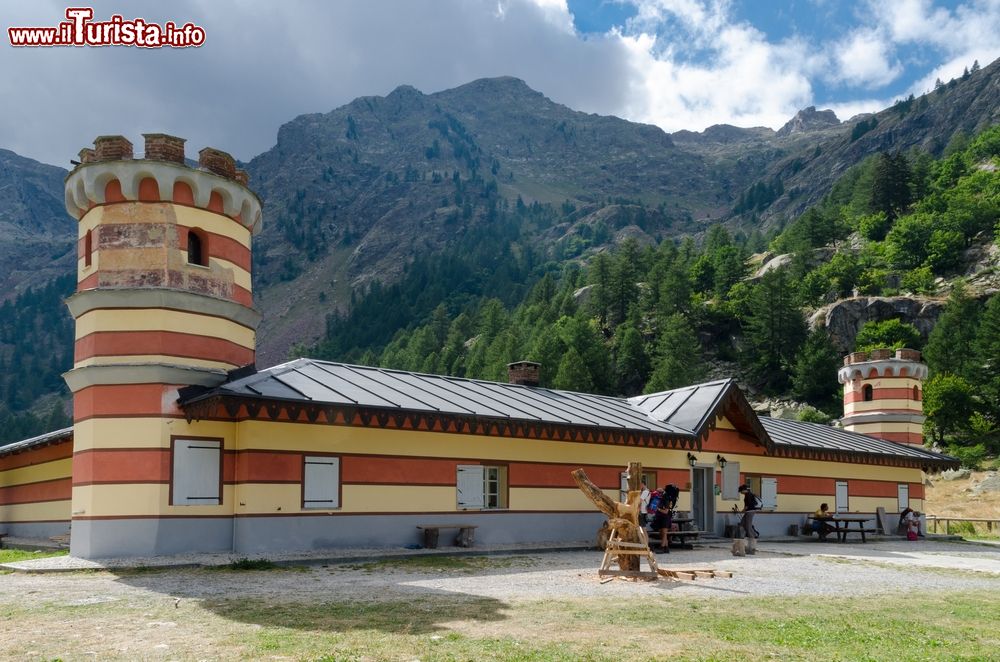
(777, 569)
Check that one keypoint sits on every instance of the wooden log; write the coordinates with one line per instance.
(623, 518)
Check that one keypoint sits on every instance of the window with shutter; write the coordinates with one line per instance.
(470, 483)
(731, 481)
(842, 497)
(321, 482)
(195, 478)
(769, 493)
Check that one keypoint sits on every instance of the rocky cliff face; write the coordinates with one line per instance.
(843, 319)
(36, 235)
(809, 119)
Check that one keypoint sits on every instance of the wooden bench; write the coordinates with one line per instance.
(681, 538)
(2, 536)
(465, 538)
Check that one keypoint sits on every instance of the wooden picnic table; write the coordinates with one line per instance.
(842, 525)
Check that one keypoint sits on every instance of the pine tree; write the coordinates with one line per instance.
(815, 366)
(774, 330)
(679, 361)
(950, 347)
(631, 363)
(987, 351)
(573, 374)
(890, 192)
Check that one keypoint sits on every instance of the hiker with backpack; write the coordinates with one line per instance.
(662, 505)
(751, 504)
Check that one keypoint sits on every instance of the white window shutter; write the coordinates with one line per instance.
(470, 487)
(731, 481)
(623, 487)
(769, 493)
(842, 497)
(321, 482)
(196, 478)
(903, 496)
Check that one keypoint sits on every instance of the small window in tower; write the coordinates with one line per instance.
(916, 392)
(197, 251)
(88, 248)
(868, 392)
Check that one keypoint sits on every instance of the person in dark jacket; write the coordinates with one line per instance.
(751, 504)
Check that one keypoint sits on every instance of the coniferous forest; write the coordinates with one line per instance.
(643, 318)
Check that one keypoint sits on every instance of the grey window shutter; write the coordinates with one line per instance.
(196, 477)
(470, 487)
(321, 488)
(731, 481)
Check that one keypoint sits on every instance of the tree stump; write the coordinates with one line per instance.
(623, 518)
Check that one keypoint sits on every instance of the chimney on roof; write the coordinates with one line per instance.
(524, 373)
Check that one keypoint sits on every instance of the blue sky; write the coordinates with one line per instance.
(678, 64)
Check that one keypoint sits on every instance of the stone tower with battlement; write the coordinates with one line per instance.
(883, 394)
(163, 301)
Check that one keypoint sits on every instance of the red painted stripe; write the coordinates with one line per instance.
(262, 466)
(50, 453)
(121, 466)
(220, 246)
(728, 441)
(896, 393)
(57, 489)
(126, 400)
(167, 343)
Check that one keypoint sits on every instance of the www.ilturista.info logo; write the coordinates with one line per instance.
(80, 30)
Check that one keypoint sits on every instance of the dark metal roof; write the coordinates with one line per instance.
(798, 434)
(697, 407)
(341, 384)
(40, 440)
(684, 413)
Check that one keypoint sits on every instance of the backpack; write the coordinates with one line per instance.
(654, 501)
(670, 495)
(758, 503)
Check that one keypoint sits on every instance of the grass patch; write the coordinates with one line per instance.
(450, 628)
(14, 555)
(465, 564)
(244, 563)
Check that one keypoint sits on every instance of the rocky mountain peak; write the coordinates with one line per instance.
(809, 119)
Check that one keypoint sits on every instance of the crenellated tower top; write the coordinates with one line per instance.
(883, 394)
(108, 173)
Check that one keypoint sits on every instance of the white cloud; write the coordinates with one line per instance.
(864, 58)
(680, 64)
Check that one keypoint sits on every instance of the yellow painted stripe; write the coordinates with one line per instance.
(36, 473)
(538, 498)
(890, 382)
(145, 432)
(155, 319)
(876, 405)
(35, 512)
(241, 276)
(191, 217)
(151, 358)
(138, 500)
(859, 504)
(266, 435)
(871, 428)
(211, 222)
(83, 271)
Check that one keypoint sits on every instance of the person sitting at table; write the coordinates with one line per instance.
(819, 523)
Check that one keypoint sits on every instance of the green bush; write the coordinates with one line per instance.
(971, 456)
